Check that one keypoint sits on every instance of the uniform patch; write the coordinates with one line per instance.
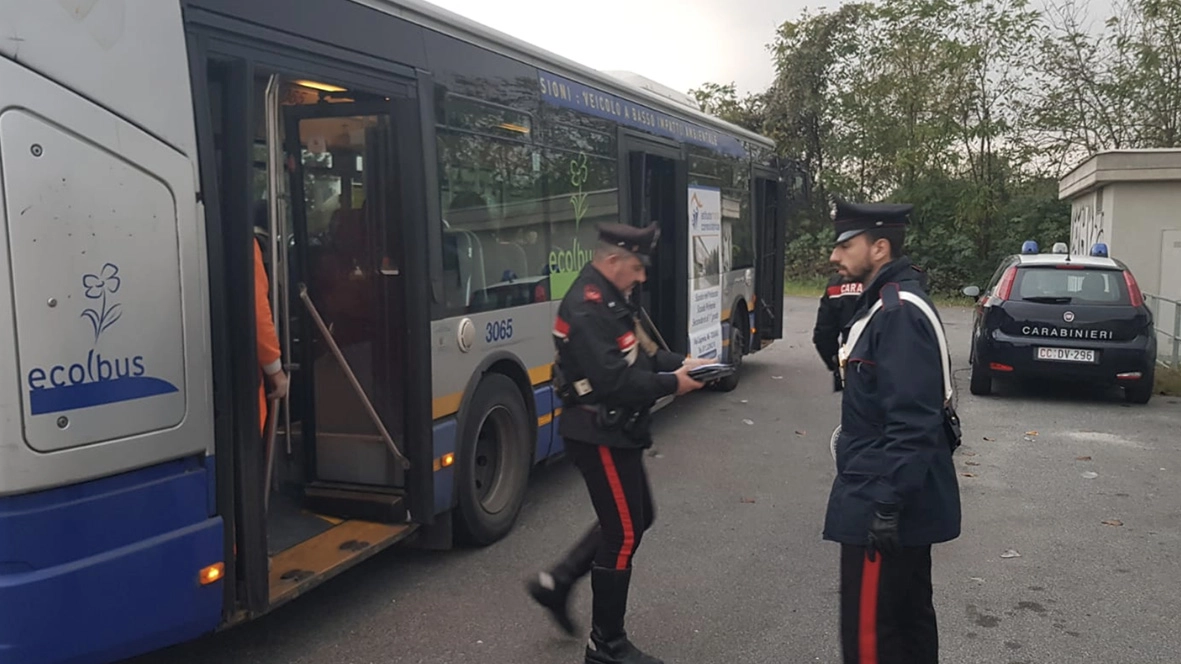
(591, 293)
(561, 328)
(845, 290)
(627, 341)
(628, 346)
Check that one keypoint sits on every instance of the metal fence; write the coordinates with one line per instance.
(1167, 314)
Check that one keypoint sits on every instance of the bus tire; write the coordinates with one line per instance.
(737, 351)
(492, 467)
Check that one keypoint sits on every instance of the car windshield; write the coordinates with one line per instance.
(1071, 286)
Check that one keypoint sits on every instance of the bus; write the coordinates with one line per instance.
(424, 191)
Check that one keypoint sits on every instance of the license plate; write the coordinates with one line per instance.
(1067, 355)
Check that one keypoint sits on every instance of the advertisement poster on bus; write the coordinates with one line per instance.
(705, 290)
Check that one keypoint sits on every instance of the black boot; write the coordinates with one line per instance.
(608, 640)
(552, 589)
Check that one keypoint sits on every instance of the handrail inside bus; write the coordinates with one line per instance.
(348, 372)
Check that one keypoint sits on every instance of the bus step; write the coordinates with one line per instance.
(352, 502)
(306, 565)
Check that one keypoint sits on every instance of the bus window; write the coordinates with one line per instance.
(490, 187)
(582, 187)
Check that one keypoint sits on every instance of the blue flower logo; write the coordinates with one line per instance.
(97, 287)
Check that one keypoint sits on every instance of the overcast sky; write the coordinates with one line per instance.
(680, 43)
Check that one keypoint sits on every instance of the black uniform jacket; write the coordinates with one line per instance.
(835, 314)
(892, 447)
(837, 306)
(604, 363)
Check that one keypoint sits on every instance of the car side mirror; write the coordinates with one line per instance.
(972, 291)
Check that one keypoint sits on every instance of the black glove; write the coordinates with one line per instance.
(883, 531)
(837, 383)
(832, 363)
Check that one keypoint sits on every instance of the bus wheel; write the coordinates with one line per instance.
(492, 468)
(737, 350)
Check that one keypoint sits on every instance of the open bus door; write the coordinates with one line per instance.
(654, 184)
(355, 214)
(770, 206)
(339, 183)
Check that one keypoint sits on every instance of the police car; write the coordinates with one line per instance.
(1056, 315)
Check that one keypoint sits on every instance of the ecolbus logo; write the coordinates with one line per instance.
(96, 380)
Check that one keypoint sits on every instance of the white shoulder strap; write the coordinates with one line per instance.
(944, 354)
(859, 325)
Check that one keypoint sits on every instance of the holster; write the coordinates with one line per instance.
(609, 418)
(951, 426)
(616, 418)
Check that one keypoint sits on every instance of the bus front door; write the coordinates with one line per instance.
(345, 210)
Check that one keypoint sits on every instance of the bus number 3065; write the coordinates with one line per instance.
(498, 330)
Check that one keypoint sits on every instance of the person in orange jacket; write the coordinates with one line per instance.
(270, 359)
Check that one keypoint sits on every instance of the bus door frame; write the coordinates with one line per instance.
(383, 356)
(770, 234)
(248, 50)
(634, 148)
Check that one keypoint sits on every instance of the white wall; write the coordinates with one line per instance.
(1140, 213)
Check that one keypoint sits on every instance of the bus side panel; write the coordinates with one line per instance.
(445, 441)
(136, 541)
(544, 398)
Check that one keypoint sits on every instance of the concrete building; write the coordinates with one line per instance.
(1131, 200)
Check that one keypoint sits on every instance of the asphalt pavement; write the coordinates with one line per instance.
(1072, 515)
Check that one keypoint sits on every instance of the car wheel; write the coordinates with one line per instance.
(981, 382)
(1141, 391)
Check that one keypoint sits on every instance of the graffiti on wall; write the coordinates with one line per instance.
(1087, 227)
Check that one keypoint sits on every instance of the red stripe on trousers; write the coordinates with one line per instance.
(868, 633)
(625, 517)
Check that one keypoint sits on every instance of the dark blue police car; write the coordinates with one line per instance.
(1080, 318)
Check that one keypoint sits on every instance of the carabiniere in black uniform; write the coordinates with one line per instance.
(895, 493)
(608, 373)
(838, 303)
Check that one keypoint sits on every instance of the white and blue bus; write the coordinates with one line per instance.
(425, 190)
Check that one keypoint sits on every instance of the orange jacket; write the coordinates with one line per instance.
(266, 339)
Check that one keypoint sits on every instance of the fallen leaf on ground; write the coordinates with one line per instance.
(1011, 553)
(991, 440)
(801, 433)
(976, 579)
(1090, 475)
(967, 474)
(1082, 458)
(967, 453)
(1113, 522)
(748, 500)
(971, 463)
(1030, 433)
